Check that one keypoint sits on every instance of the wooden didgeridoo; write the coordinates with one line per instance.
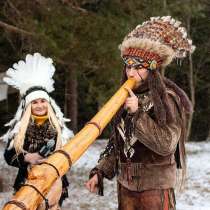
(43, 176)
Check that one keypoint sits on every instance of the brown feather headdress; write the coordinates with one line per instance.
(160, 37)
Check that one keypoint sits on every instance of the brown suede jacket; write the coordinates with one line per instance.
(154, 150)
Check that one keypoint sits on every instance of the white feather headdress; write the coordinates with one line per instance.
(33, 78)
(36, 70)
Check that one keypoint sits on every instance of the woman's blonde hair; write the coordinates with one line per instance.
(20, 136)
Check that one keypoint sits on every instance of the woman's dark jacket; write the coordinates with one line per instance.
(36, 137)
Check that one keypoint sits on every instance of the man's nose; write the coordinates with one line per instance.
(131, 72)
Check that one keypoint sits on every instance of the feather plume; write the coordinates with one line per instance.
(36, 70)
(160, 35)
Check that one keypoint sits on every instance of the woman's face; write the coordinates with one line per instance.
(39, 107)
(138, 74)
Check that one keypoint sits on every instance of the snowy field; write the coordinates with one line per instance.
(195, 197)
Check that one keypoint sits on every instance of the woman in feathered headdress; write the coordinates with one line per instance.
(38, 127)
(146, 148)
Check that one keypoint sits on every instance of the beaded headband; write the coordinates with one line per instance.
(140, 58)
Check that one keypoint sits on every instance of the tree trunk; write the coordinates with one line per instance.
(165, 5)
(191, 84)
(71, 105)
(208, 137)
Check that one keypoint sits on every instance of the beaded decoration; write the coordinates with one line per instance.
(142, 59)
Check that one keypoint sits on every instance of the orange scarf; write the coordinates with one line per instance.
(39, 120)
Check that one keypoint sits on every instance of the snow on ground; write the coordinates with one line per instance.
(197, 193)
(195, 197)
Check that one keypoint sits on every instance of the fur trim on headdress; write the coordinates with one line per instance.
(35, 95)
(160, 35)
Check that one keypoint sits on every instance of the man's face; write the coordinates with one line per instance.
(138, 73)
(39, 107)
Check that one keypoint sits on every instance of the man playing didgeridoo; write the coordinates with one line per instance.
(146, 147)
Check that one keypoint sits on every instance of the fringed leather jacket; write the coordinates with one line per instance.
(150, 158)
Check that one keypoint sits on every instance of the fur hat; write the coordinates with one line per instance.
(159, 40)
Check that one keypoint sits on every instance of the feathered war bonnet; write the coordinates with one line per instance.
(33, 79)
(156, 42)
